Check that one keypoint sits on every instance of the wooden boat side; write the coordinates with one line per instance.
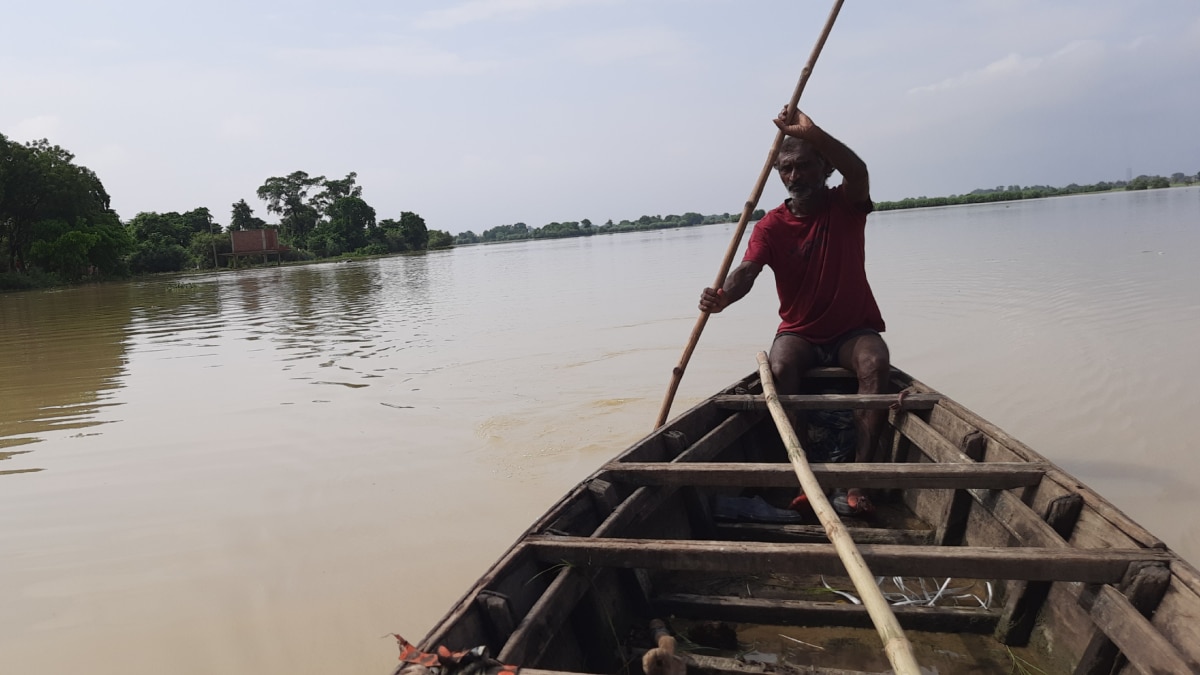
(1080, 578)
(1063, 612)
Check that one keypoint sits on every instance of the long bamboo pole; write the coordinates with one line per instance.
(747, 211)
(895, 643)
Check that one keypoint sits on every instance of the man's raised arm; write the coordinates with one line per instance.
(855, 179)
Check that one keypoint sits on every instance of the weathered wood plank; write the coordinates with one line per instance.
(1091, 498)
(604, 495)
(1144, 587)
(1176, 616)
(1105, 510)
(645, 500)
(1147, 650)
(1046, 564)
(1026, 598)
(532, 636)
(699, 664)
(539, 626)
(576, 516)
(816, 533)
(634, 508)
(1018, 518)
(720, 437)
(413, 669)
(953, 519)
(829, 401)
(496, 608)
(807, 613)
(515, 575)
(1015, 515)
(870, 475)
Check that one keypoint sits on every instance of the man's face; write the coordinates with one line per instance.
(802, 172)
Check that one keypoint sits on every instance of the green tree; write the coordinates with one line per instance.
(158, 253)
(350, 218)
(413, 231)
(170, 226)
(439, 239)
(44, 196)
(335, 190)
(200, 220)
(67, 254)
(288, 197)
(170, 242)
(205, 249)
(242, 218)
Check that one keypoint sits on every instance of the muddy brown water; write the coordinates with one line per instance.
(269, 470)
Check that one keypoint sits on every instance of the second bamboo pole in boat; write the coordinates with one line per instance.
(895, 643)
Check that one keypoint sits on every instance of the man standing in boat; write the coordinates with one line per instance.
(815, 244)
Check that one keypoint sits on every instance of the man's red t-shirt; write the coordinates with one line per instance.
(819, 263)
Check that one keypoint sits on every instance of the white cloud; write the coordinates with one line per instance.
(1011, 65)
(415, 59)
(1078, 53)
(1139, 42)
(659, 45)
(484, 10)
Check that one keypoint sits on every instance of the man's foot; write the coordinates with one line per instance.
(852, 502)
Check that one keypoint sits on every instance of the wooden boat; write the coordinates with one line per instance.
(995, 559)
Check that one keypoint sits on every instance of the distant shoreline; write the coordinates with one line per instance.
(1015, 193)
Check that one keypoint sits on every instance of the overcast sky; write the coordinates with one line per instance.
(478, 113)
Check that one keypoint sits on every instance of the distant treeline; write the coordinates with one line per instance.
(585, 228)
(1001, 193)
(1014, 192)
(56, 223)
(57, 226)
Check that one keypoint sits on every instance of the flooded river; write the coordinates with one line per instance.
(269, 470)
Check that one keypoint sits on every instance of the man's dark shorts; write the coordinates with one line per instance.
(827, 354)
(832, 436)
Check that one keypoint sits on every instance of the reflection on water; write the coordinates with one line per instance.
(61, 356)
(266, 470)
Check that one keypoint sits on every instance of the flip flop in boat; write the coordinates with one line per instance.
(800, 503)
(852, 502)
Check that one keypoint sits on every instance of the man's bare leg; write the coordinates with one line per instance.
(867, 356)
(791, 357)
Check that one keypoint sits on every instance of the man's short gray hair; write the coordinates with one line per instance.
(793, 146)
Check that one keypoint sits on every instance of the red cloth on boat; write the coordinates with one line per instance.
(819, 262)
(475, 661)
